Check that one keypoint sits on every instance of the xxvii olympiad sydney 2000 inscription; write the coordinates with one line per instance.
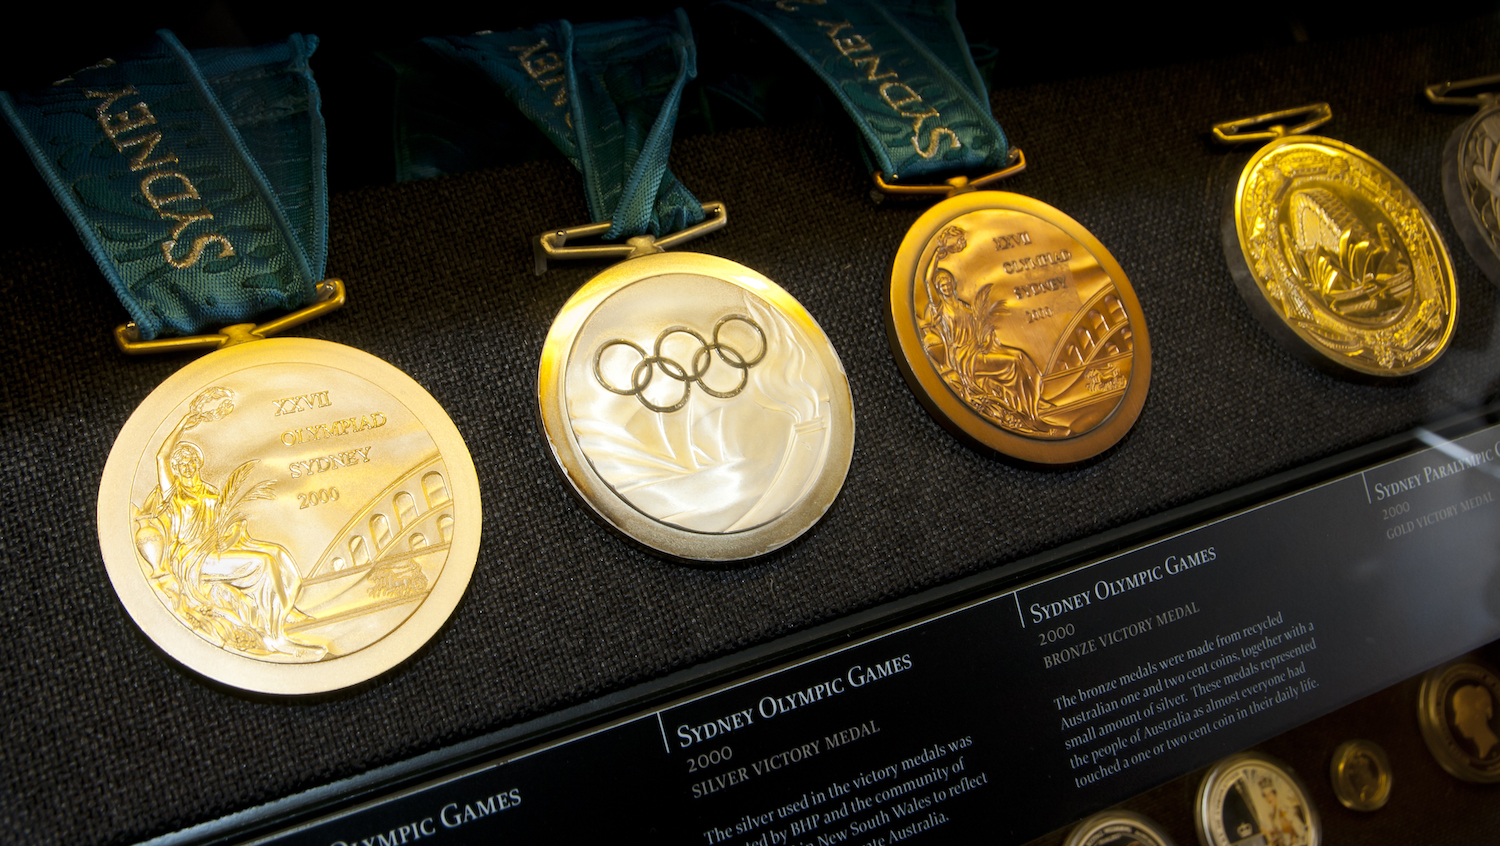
(289, 516)
(1017, 329)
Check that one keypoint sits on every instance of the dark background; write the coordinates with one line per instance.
(1020, 44)
(107, 740)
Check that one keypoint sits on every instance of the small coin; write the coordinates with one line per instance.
(1252, 795)
(1361, 775)
(1339, 259)
(1017, 330)
(1118, 828)
(696, 407)
(1459, 711)
(289, 516)
(1471, 187)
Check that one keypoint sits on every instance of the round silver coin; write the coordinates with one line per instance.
(1252, 798)
(1118, 828)
(696, 407)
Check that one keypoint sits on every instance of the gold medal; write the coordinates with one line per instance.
(283, 516)
(1118, 828)
(1334, 254)
(1459, 711)
(1471, 171)
(1017, 329)
(289, 516)
(695, 406)
(1250, 794)
(1361, 775)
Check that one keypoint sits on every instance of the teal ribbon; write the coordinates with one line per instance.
(606, 95)
(196, 180)
(903, 72)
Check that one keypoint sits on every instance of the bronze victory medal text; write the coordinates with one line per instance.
(289, 516)
(1017, 329)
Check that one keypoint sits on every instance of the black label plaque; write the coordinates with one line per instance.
(1018, 712)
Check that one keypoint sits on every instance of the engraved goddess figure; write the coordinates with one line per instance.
(998, 380)
(229, 586)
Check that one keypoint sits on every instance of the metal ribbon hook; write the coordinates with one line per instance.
(330, 298)
(1015, 163)
(1315, 114)
(1438, 92)
(554, 245)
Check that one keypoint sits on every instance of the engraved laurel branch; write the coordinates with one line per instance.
(700, 364)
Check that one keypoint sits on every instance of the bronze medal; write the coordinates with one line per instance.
(1012, 324)
(1017, 329)
(1337, 258)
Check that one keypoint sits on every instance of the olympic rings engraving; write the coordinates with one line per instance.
(700, 364)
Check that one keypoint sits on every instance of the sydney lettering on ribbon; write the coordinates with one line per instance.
(199, 218)
(162, 185)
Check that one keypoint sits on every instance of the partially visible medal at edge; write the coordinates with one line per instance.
(285, 516)
(1458, 710)
(1471, 168)
(1012, 324)
(1335, 256)
(690, 402)
(1118, 828)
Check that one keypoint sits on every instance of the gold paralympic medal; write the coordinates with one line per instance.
(1336, 257)
(696, 407)
(1471, 171)
(1251, 798)
(289, 516)
(1017, 329)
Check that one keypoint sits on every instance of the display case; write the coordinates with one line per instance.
(568, 631)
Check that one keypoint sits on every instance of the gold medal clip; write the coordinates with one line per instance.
(956, 185)
(1312, 116)
(1439, 93)
(330, 298)
(553, 245)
